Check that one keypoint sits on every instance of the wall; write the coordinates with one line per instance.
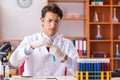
(72, 27)
(17, 22)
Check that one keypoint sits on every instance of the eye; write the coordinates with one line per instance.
(49, 20)
(57, 21)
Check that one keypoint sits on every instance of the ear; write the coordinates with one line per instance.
(41, 20)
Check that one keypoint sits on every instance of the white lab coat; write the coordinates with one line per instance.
(38, 62)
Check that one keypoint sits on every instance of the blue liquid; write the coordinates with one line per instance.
(53, 58)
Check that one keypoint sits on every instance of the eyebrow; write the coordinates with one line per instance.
(51, 19)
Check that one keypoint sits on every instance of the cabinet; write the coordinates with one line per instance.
(109, 30)
(75, 18)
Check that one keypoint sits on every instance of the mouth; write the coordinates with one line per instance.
(52, 29)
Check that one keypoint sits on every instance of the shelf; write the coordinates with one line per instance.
(100, 22)
(10, 40)
(67, 0)
(116, 64)
(74, 19)
(102, 13)
(105, 6)
(116, 58)
(75, 37)
(105, 2)
(109, 30)
(14, 43)
(115, 2)
(100, 47)
(116, 6)
(115, 22)
(100, 40)
(116, 40)
(116, 31)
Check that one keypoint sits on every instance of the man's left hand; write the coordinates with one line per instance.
(54, 50)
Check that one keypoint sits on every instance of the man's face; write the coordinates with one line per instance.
(50, 23)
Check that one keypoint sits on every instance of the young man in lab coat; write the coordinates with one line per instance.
(46, 53)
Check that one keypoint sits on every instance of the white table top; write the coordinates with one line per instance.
(115, 78)
(50, 78)
(44, 78)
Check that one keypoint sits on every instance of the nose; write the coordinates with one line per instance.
(53, 24)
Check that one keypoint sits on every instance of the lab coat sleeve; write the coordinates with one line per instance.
(72, 56)
(21, 53)
(71, 65)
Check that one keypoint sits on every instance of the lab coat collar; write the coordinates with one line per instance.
(57, 39)
(53, 37)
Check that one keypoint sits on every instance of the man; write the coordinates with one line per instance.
(46, 53)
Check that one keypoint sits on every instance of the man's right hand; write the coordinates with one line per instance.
(42, 42)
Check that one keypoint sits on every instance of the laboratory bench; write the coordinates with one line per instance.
(43, 78)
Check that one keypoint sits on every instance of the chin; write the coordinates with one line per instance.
(52, 34)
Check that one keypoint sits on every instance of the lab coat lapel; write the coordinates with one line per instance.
(58, 41)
